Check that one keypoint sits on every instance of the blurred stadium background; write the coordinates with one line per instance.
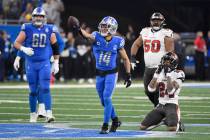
(185, 17)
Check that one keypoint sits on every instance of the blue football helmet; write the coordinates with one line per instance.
(39, 16)
(108, 25)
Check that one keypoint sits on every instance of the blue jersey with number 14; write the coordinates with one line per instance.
(106, 52)
(39, 40)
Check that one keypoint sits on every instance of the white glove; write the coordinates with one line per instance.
(17, 63)
(28, 51)
(133, 62)
(55, 66)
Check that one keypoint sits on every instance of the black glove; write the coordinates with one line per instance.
(128, 80)
(159, 69)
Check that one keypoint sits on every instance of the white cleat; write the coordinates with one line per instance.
(33, 117)
(49, 117)
(41, 111)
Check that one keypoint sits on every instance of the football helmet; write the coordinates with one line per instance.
(108, 25)
(169, 62)
(39, 16)
(157, 21)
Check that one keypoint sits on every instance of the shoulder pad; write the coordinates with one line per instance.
(167, 32)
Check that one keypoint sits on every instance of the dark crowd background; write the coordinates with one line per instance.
(189, 19)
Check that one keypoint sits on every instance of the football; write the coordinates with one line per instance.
(73, 22)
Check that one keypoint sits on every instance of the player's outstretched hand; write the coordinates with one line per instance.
(133, 62)
(55, 66)
(128, 81)
(27, 51)
(17, 63)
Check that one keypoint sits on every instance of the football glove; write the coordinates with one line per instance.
(127, 80)
(55, 66)
(159, 69)
(17, 63)
(27, 51)
(133, 62)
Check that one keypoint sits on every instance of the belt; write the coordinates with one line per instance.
(104, 73)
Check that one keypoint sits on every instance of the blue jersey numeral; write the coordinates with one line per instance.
(105, 57)
(39, 40)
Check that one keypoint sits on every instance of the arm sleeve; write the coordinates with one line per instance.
(122, 43)
(60, 42)
(23, 27)
(20, 54)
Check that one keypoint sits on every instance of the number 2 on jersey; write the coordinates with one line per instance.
(163, 91)
(39, 40)
(151, 45)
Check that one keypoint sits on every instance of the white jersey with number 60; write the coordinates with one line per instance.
(154, 46)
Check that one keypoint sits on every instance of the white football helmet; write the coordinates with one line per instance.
(39, 16)
(108, 25)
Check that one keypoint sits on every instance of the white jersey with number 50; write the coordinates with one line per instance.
(164, 97)
(154, 46)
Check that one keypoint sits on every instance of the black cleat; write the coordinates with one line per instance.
(115, 124)
(41, 116)
(181, 127)
(104, 129)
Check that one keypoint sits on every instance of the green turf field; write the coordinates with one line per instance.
(80, 108)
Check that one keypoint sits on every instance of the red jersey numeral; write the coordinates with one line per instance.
(164, 92)
(153, 46)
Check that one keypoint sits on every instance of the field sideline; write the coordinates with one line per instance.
(79, 114)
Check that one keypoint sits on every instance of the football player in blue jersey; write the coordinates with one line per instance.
(106, 47)
(41, 112)
(38, 37)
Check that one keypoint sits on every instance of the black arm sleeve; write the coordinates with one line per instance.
(55, 48)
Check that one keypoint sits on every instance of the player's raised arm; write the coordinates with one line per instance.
(154, 82)
(74, 24)
(87, 35)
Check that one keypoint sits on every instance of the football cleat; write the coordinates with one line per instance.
(33, 117)
(104, 129)
(181, 127)
(41, 111)
(49, 117)
(115, 124)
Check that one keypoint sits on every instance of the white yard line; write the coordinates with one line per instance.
(100, 109)
(98, 116)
